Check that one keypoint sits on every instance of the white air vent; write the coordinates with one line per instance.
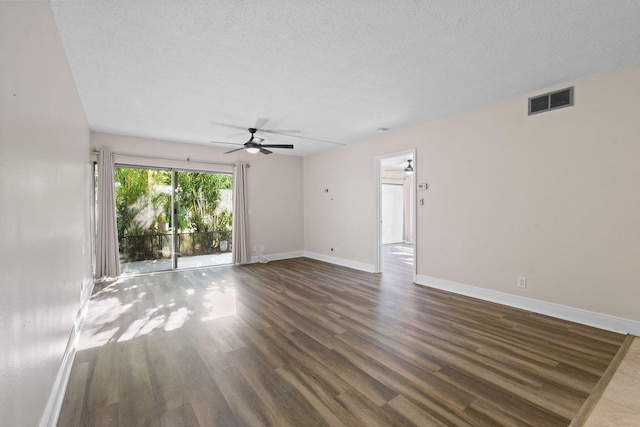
(551, 101)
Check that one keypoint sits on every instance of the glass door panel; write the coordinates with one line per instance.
(143, 212)
(204, 215)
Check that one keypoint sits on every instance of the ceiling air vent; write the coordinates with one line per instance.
(551, 101)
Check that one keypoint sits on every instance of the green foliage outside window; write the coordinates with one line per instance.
(143, 202)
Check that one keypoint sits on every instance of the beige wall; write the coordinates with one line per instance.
(274, 185)
(342, 217)
(45, 187)
(554, 197)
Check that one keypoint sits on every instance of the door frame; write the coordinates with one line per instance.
(377, 229)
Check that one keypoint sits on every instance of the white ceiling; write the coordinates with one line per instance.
(331, 70)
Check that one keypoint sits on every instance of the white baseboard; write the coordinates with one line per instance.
(54, 403)
(589, 318)
(356, 265)
(276, 257)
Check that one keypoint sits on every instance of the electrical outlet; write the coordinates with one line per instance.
(261, 248)
(522, 282)
(254, 248)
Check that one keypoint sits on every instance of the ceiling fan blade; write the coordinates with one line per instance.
(233, 151)
(310, 139)
(279, 131)
(236, 135)
(277, 145)
(225, 143)
(261, 122)
(227, 125)
(265, 151)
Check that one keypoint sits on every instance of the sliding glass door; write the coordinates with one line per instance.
(171, 219)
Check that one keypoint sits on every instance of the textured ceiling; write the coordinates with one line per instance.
(333, 70)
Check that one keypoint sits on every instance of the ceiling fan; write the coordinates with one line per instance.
(260, 125)
(254, 144)
(407, 170)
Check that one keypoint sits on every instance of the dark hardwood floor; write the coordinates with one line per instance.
(305, 343)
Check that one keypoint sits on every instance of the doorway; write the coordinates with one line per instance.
(395, 211)
(172, 219)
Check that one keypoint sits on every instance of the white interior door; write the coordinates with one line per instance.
(392, 213)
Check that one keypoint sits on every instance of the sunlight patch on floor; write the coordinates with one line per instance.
(219, 302)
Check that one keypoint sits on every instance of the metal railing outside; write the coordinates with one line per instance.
(158, 246)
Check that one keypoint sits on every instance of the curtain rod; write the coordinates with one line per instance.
(170, 159)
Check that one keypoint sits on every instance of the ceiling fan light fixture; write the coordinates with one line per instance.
(409, 169)
(251, 146)
(255, 145)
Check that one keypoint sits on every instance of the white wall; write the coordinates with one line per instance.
(274, 186)
(45, 185)
(553, 197)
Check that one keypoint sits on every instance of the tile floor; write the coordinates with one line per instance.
(619, 405)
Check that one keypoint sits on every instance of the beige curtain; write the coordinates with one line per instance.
(240, 217)
(108, 263)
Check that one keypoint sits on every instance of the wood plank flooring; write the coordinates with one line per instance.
(305, 343)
